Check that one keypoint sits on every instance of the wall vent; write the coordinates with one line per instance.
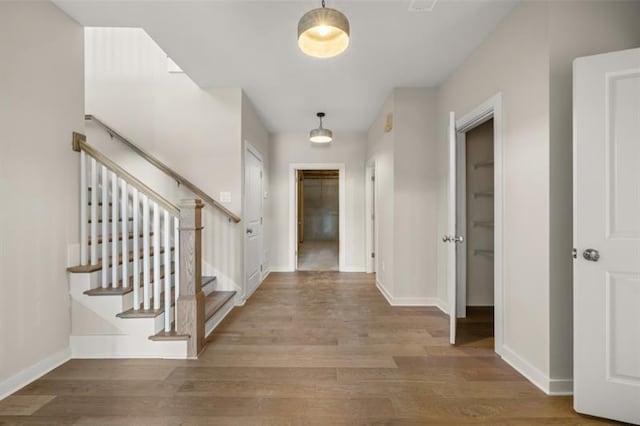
(422, 5)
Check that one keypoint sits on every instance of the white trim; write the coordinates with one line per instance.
(492, 108)
(293, 194)
(34, 372)
(409, 301)
(248, 148)
(106, 346)
(369, 191)
(280, 269)
(384, 292)
(534, 375)
(353, 269)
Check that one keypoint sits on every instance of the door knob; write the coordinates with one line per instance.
(591, 254)
(446, 239)
(458, 239)
(249, 231)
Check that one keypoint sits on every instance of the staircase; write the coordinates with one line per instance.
(139, 290)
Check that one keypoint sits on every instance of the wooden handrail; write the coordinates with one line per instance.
(80, 144)
(166, 169)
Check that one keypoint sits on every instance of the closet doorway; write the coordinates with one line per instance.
(475, 227)
(476, 196)
(318, 220)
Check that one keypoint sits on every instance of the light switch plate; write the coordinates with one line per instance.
(225, 197)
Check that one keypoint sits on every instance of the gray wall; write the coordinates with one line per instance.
(41, 103)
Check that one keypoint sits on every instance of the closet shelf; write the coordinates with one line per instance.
(482, 224)
(482, 194)
(479, 252)
(482, 164)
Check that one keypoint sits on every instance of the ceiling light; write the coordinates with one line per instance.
(321, 135)
(323, 32)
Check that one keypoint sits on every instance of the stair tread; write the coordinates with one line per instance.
(208, 279)
(149, 313)
(98, 266)
(169, 335)
(119, 290)
(214, 301)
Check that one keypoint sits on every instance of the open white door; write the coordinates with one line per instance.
(451, 238)
(607, 235)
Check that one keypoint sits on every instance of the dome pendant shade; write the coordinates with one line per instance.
(321, 135)
(323, 33)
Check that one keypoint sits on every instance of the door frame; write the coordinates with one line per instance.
(370, 216)
(489, 109)
(250, 149)
(293, 210)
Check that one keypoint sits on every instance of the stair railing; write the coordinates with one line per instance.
(127, 209)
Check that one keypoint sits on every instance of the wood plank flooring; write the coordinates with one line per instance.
(308, 348)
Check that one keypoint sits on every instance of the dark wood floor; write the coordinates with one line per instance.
(309, 348)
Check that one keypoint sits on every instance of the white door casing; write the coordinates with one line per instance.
(607, 219)
(451, 229)
(489, 109)
(252, 219)
(293, 211)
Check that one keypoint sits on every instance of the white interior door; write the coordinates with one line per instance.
(253, 220)
(607, 235)
(451, 238)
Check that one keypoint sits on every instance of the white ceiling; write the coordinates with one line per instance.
(252, 45)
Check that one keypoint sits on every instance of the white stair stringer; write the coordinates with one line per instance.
(97, 332)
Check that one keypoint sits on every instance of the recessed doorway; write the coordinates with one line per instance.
(476, 311)
(318, 220)
(317, 228)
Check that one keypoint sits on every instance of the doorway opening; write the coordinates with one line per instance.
(476, 192)
(475, 226)
(318, 220)
(294, 196)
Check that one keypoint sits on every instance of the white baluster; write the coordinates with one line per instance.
(176, 258)
(114, 230)
(124, 198)
(94, 212)
(157, 285)
(167, 273)
(105, 226)
(136, 251)
(145, 257)
(83, 210)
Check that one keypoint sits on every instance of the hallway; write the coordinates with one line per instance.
(308, 348)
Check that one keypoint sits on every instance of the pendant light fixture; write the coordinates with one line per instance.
(321, 135)
(323, 32)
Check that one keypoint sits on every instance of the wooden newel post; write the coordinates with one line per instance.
(190, 305)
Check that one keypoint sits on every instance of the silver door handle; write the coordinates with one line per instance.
(446, 239)
(458, 239)
(249, 231)
(591, 254)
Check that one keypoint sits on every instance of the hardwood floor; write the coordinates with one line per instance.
(310, 348)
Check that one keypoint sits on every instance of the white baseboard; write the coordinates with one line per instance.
(442, 305)
(34, 372)
(352, 269)
(408, 301)
(384, 292)
(534, 375)
(281, 269)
